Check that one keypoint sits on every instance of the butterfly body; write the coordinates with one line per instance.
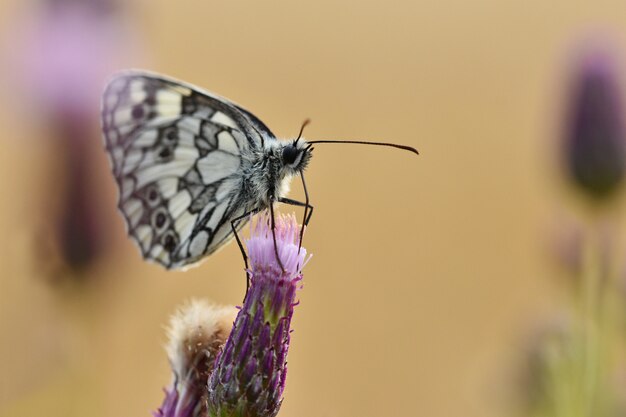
(266, 177)
(190, 165)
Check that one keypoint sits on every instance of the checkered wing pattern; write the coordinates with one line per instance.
(177, 155)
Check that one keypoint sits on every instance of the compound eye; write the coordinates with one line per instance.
(290, 153)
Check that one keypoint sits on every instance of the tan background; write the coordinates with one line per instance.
(428, 272)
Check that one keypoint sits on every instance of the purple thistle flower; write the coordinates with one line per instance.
(249, 376)
(595, 142)
(196, 334)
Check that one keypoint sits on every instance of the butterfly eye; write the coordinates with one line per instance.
(290, 153)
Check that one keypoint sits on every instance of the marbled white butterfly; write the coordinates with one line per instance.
(191, 166)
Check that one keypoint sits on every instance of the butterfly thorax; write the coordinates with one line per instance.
(266, 176)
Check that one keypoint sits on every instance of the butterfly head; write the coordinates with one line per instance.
(296, 155)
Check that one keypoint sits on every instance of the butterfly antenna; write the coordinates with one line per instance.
(304, 124)
(358, 142)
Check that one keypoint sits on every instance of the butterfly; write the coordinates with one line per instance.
(192, 167)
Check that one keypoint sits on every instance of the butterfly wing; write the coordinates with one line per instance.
(177, 155)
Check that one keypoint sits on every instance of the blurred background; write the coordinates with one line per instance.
(483, 278)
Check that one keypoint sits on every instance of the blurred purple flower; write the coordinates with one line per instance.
(60, 59)
(595, 138)
(63, 56)
(249, 376)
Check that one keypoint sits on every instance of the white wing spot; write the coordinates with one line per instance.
(117, 155)
(164, 257)
(179, 203)
(186, 139)
(198, 244)
(184, 224)
(225, 188)
(168, 97)
(222, 119)
(167, 110)
(190, 124)
(133, 210)
(146, 138)
(126, 128)
(164, 118)
(138, 96)
(222, 233)
(217, 215)
(217, 165)
(175, 168)
(186, 152)
(159, 254)
(136, 86)
(127, 187)
(144, 237)
(168, 187)
(180, 89)
(227, 142)
(133, 158)
(207, 208)
(122, 116)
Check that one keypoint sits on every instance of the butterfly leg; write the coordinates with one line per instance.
(306, 201)
(274, 236)
(306, 218)
(306, 205)
(296, 203)
(243, 251)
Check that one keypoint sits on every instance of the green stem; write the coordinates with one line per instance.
(592, 277)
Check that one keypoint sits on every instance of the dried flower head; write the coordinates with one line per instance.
(196, 333)
(249, 376)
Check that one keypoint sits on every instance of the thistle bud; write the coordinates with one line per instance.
(595, 141)
(249, 376)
